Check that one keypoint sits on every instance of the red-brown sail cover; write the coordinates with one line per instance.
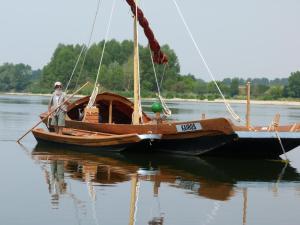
(158, 56)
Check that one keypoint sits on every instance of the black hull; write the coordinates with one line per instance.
(258, 147)
(243, 145)
(193, 146)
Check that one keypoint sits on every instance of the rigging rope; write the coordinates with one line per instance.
(155, 74)
(228, 106)
(93, 97)
(163, 76)
(74, 69)
(89, 41)
(86, 48)
(281, 145)
(167, 112)
(92, 100)
(274, 127)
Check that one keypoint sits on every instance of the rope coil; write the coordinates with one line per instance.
(167, 112)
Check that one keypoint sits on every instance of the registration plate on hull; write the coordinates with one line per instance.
(188, 127)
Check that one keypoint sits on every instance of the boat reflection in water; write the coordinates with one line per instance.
(214, 179)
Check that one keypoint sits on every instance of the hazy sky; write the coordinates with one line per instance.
(238, 37)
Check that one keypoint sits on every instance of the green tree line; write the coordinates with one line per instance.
(116, 75)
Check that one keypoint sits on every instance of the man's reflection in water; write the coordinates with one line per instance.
(56, 182)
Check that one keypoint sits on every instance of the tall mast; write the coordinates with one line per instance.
(136, 70)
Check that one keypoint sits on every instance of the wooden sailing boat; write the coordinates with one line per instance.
(85, 138)
(192, 137)
(119, 116)
(217, 136)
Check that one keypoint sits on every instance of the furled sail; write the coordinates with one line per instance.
(158, 56)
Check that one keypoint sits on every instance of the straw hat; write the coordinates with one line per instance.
(57, 83)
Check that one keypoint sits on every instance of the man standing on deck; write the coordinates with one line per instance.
(58, 117)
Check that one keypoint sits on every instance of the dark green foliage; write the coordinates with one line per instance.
(116, 72)
(234, 87)
(294, 85)
(17, 77)
(116, 75)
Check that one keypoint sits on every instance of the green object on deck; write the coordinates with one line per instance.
(156, 107)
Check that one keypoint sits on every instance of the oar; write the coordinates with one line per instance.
(51, 112)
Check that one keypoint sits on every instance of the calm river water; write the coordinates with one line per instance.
(47, 185)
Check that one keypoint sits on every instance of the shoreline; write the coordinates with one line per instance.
(231, 101)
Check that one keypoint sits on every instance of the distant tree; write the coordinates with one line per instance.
(260, 81)
(116, 74)
(279, 82)
(60, 66)
(115, 77)
(15, 77)
(294, 84)
(211, 88)
(275, 92)
(127, 74)
(200, 87)
(286, 91)
(258, 90)
(234, 87)
(227, 81)
(116, 70)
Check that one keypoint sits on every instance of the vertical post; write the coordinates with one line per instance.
(134, 180)
(110, 113)
(136, 70)
(157, 117)
(248, 92)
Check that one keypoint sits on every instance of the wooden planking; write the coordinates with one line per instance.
(91, 139)
(168, 130)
